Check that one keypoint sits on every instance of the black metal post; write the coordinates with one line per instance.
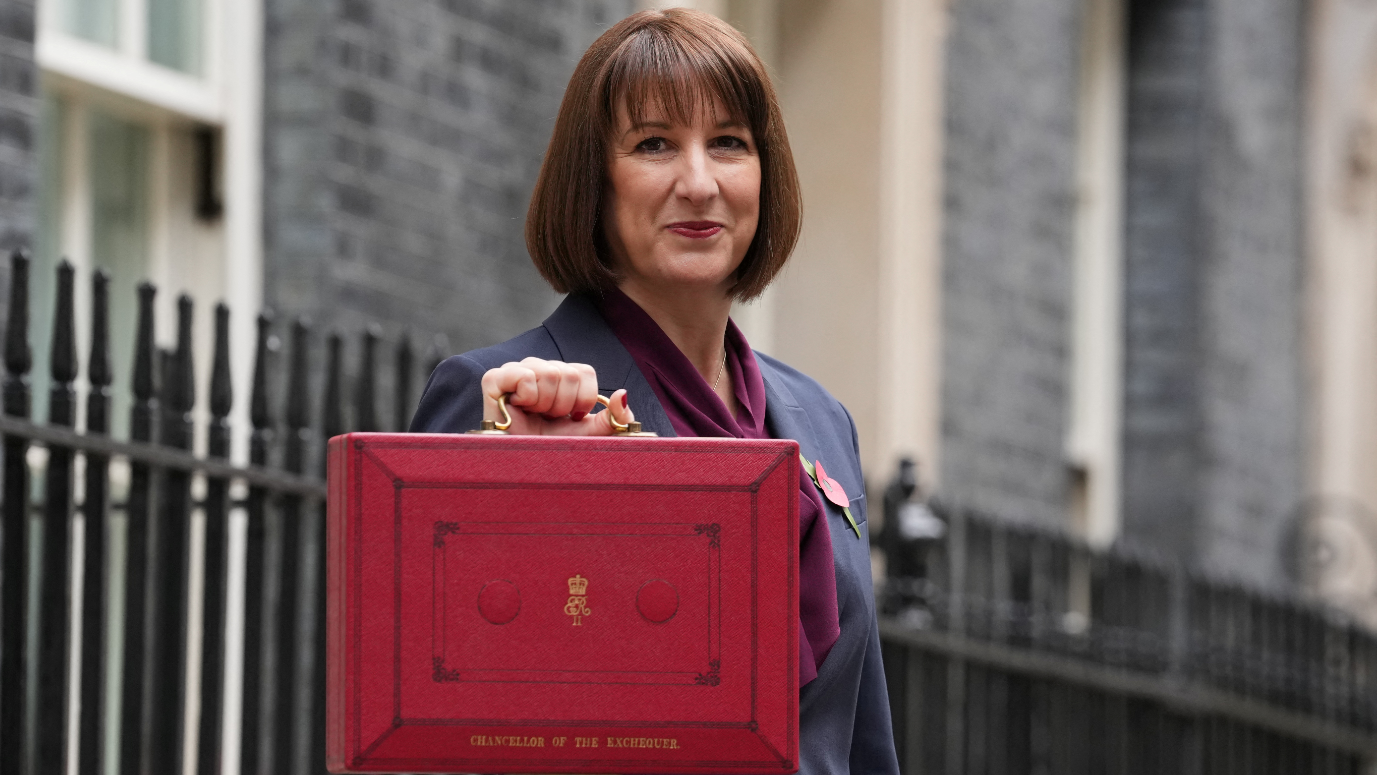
(91, 755)
(402, 394)
(365, 410)
(170, 560)
(54, 614)
(142, 417)
(15, 567)
(209, 743)
(287, 726)
(260, 440)
(332, 424)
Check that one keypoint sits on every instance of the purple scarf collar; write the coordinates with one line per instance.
(695, 410)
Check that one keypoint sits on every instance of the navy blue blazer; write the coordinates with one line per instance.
(844, 723)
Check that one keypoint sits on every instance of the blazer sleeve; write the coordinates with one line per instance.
(453, 398)
(872, 736)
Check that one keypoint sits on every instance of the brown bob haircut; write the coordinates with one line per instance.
(677, 60)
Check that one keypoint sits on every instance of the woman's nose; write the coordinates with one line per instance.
(696, 182)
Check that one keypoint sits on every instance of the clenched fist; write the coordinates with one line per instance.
(551, 398)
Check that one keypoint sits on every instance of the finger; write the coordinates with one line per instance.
(510, 378)
(566, 393)
(587, 396)
(618, 409)
(547, 379)
(597, 424)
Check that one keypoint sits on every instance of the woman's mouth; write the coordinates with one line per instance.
(695, 229)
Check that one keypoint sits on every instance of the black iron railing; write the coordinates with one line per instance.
(1007, 649)
(162, 490)
(1012, 649)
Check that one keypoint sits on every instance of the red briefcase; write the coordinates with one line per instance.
(527, 604)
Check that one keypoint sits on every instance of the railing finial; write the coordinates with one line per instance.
(98, 367)
(18, 355)
(63, 355)
(402, 385)
(221, 387)
(333, 423)
(259, 411)
(298, 421)
(145, 353)
(365, 411)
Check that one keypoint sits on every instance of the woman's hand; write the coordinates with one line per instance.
(551, 398)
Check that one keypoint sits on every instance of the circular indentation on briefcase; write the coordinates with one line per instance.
(499, 602)
(657, 601)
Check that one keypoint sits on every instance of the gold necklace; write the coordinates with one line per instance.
(720, 369)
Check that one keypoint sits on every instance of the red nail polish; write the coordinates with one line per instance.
(623, 401)
(578, 416)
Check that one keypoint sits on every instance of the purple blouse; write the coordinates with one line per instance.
(695, 410)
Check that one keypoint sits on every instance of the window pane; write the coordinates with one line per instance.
(119, 153)
(174, 34)
(95, 20)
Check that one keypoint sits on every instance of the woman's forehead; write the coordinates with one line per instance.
(645, 107)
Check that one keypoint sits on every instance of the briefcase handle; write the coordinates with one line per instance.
(496, 428)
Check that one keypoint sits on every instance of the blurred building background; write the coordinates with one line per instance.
(1105, 265)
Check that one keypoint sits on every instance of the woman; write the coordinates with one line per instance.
(668, 191)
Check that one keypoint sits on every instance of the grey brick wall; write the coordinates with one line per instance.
(1011, 93)
(1214, 438)
(402, 140)
(18, 127)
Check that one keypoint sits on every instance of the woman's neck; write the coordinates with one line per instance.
(696, 321)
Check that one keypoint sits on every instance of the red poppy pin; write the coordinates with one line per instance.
(831, 488)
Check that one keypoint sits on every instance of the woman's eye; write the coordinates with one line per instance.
(729, 143)
(653, 145)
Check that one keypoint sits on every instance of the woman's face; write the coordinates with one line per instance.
(682, 201)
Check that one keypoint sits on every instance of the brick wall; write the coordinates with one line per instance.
(402, 140)
(1012, 78)
(1214, 463)
(18, 122)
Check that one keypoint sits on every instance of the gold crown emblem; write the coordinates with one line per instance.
(578, 585)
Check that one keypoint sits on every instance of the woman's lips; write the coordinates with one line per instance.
(695, 229)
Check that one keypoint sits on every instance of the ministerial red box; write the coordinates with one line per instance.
(525, 604)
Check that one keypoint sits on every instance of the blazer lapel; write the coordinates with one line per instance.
(582, 336)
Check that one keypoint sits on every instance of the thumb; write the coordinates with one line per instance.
(617, 408)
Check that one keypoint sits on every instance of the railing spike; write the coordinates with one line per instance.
(168, 564)
(402, 386)
(333, 423)
(183, 393)
(298, 419)
(365, 410)
(255, 566)
(144, 347)
(287, 716)
(259, 412)
(142, 416)
(14, 562)
(221, 387)
(63, 356)
(54, 611)
(94, 668)
(18, 354)
(98, 367)
(297, 385)
(209, 745)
